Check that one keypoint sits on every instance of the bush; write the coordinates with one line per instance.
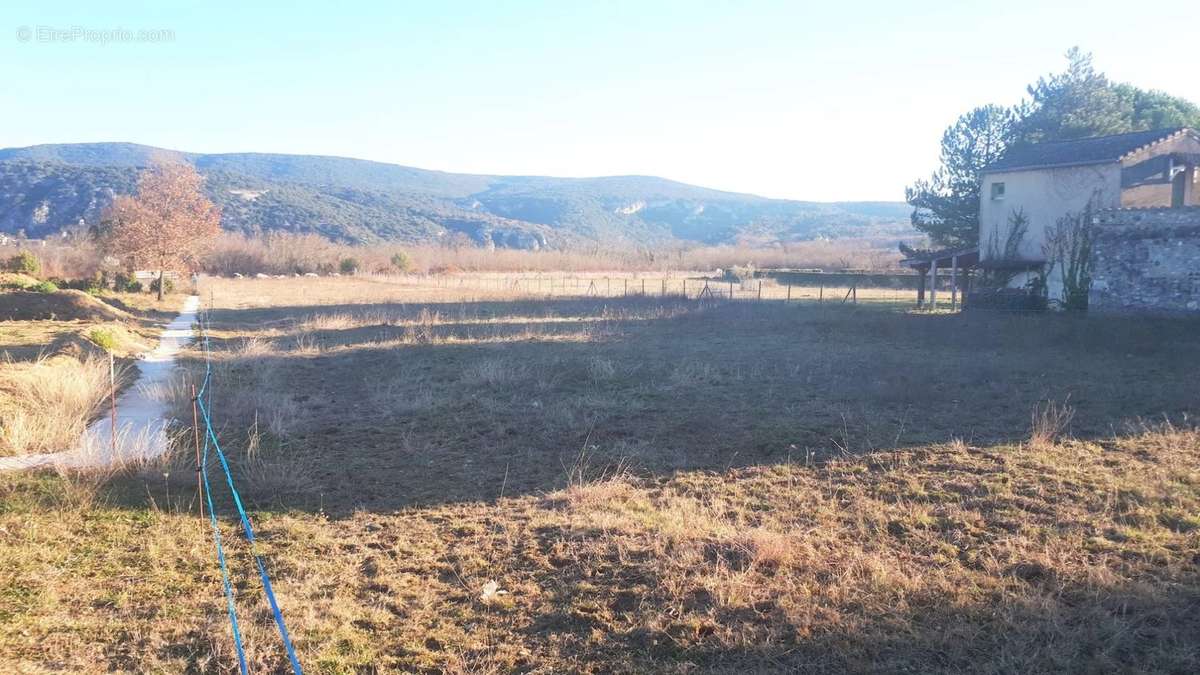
(44, 287)
(103, 338)
(91, 285)
(25, 263)
(401, 261)
(168, 285)
(348, 266)
(125, 283)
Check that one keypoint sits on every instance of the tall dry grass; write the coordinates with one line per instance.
(46, 405)
(279, 253)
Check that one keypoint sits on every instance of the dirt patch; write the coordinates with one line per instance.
(67, 305)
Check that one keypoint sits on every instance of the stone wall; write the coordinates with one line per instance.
(1146, 260)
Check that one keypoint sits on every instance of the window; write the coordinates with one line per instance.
(997, 192)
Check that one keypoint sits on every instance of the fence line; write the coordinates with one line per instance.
(212, 443)
(632, 286)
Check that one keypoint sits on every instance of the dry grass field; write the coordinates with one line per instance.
(451, 479)
(54, 371)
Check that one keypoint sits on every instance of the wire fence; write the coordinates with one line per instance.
(211, 444)
(629, 286)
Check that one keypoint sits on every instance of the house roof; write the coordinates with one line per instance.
(1096, 150)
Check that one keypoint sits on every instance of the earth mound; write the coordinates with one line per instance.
(68, 305)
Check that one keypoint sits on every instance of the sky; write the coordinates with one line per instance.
(817, 101)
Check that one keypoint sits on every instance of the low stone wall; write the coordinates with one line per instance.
(1146, 260)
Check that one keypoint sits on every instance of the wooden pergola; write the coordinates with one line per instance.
(958, 261)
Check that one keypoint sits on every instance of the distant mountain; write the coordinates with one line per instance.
(48, 188)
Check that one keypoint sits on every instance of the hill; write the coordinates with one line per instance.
(48, 188)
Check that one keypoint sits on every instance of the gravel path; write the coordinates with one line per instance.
(141, 410)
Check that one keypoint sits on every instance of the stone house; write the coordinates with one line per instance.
(1032, 187)
(1143, 190)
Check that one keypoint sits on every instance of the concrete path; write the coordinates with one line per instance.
(142, 412)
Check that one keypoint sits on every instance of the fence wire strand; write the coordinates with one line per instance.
(212, 443)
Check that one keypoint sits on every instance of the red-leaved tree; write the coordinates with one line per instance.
(167, 225)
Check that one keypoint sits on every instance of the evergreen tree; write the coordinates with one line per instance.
(1076, 103)
(946, 206)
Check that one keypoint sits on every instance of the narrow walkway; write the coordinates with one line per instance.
(141, 410)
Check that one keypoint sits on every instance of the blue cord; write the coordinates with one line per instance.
(211, 435)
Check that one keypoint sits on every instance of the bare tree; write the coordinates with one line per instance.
(1005, 254)
(167, 225)
(1069, 247)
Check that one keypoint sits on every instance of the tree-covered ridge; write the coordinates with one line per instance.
(1079, 102)
(361, 201)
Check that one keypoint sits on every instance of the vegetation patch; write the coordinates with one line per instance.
(456, 483)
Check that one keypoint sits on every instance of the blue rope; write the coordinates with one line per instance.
(211, 435)
(212, 516)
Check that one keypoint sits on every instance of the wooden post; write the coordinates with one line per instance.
(625, 290)
(855, 290)
(196, 433)
(760, 289)
(954, 284)
(789, 294)
(685, 288)
(731, 290)
(643, 286)
(112, 397)
(664, 287)
(933, 284)
(821, 293)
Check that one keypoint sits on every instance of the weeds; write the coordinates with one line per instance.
(1049, 422)
(46, 405)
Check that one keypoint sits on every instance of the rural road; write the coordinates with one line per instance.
(142, 414)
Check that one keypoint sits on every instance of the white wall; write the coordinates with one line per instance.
(1044, 195)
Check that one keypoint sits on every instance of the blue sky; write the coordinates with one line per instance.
(832, 101)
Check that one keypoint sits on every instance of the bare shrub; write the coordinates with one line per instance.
(283, 253)
(592, 485)
(1049, 422)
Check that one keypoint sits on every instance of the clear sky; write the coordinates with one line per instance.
(822, 101)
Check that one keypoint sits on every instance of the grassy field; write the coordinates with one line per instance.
(652, 484)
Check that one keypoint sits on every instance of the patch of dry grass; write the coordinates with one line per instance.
(46, 405)
(607, 485)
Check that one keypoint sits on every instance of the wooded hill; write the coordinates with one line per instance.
(45, 189)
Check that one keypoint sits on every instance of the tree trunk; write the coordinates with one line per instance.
(160, 284)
